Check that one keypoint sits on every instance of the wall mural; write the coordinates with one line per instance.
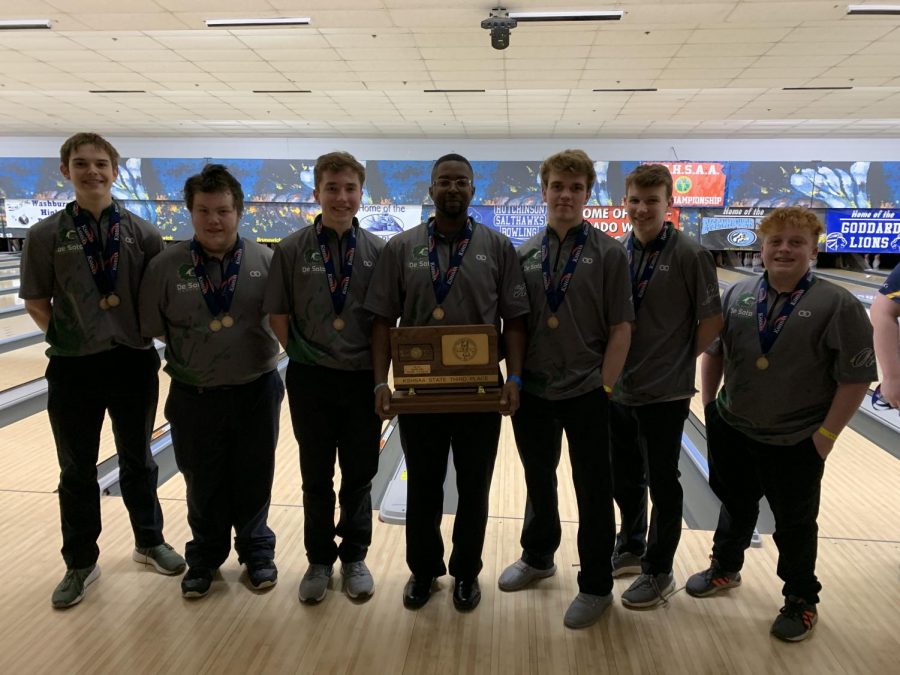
(279, 196)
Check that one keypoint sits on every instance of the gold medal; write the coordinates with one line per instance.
(215, 325)
(104, 304)
(113, 300)
(762, 363)
(338, 323)
(553, 321)
(227, 321)
(438, 313)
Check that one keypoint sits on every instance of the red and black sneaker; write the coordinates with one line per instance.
(712, 581)
(796, 620)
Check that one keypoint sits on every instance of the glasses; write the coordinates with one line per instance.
(878, 402)
(461, 183)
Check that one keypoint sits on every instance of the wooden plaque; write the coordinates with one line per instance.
(445, 369)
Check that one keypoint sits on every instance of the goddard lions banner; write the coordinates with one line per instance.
(862, 231)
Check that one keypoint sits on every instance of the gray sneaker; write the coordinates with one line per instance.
(314, 583)
(163, 558)
(518, 575)
(586, 609)
(649, 590)
(358, 579)
(70, 591)
(711, 581)
(625, 563)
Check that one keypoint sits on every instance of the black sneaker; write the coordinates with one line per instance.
(262, 574)
(712, 580)
(796, 620)
(196, 583)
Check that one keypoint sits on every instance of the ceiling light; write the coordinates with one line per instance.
(814, 88)
(24, 24)
(453, 91)
(598, 15)
(240, 23)
(874, 10)
(282, 91)
(626, 90)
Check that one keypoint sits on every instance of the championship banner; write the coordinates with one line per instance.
(732, 229)
(613, 220)
(386, 220)
(862, 231)
(697, 183)
(23, 213)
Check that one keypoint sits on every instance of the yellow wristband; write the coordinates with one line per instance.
(607, 389)
(831, 436)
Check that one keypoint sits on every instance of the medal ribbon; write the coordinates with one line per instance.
(639, 286)
(442, 285)
(218, 300)
(555, 296)
(337, 289)
(769, 331)
(104, 265)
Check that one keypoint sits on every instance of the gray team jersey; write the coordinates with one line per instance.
(661, 365)
(826, 340)
(172, 305)
(488, 286)
(54, 266)
(566, 361)
(298, 287)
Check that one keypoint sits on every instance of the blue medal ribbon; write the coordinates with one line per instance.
(555, 296)
(442, 284)
(337, 289)
(769, 331)
(218, 299)
(104, 265)
(639, 286)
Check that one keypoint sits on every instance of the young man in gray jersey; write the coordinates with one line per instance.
(796, 353)
(885, 312)
(678, 314)
(204, 298)
(578, 334)
(315, 296)
(482, 284)
(81, 270)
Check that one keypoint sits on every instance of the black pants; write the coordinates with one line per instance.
(538, 426)
(646, 445)
(225, 440)
(80, 390)
(741, 472)
(426, 441)
(333, 412)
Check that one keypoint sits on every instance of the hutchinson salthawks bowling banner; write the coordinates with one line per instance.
(862, 231)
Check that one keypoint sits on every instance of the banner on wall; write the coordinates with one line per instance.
(862, 231)
(732, 229)
(21, 214)
(386, 220)
(697, 183)
(613, 220)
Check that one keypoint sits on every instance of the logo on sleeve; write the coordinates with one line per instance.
(519, 291)
(864, 358)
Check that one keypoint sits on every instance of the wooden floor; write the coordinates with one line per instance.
(135, 621)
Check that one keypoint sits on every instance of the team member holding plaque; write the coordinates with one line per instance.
(315, 296)
(578, 335)
(448, 271)
(81, 270)
(205, 297)
(676, 300)
(797, 356)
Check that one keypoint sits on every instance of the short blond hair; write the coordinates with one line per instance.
(569, 161)
(791, 216)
